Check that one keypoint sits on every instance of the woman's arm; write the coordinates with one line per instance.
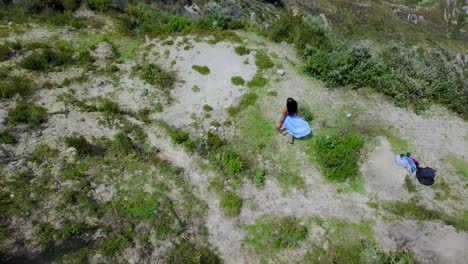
(283, 116)
(299, 114)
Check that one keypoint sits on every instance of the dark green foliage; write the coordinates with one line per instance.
(273, 235)
(99, 5)
(229, 162)
(70, 230)
(245, 101)
(259, 178)
(155, 75)
(257, 81)
(49, 57)
(80, 143)
(207, 108)
(231, 203)
(4, 53)
(13, 85)
(63, 19)
(179, 137)
(43, 153)
(74, 171)
(44, 233)
(108, 107)
(241, 50)
(306, 113)
(122, 142)
(262, 60)
(187, 253)
(6, 137)
(201, 69)
(237, 80)
(113, 245)
(214, 141)
(338, 155)
(31, 114)
(84, 57)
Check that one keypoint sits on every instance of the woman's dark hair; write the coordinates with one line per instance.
(291, 104)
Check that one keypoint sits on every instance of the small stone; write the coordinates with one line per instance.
(283, 43)
(280, 72)
(12, 195)
(348, 115)
(70, 155)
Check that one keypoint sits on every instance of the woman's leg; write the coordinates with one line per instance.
(291, 139)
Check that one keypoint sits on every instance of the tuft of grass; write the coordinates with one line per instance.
(306, 113)
(156, 75)
(242, 50)
(196, 88)
(43, 153)
(168, 42)
(122, 142)
(257, 81)
(108, 107)
(409, 185)
(231, 203)
(207, 108)
(399, 145)
(31, 114)
(460, 165)
(79, 142)
(262, 60)
(201, 69)
(185, 252)
(181, 138)
(273, 235)
(338, 154)
(245, 101)
(13, 85)
(259, 178)
(214, 141)
(113, 245)
(4, 53)
(6, 137)
(237, 80)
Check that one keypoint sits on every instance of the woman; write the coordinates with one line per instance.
(293, 121)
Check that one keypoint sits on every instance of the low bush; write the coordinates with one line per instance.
(99, 5)
(237, 80)
(262, 60)
(201, 69)
(214, 141)
(338, 155)
(13, 85)
(6, 137)
(108, 107)
(122, 142)
(273, 235)
(43, 153)
(70, 230)
(49, 57)
(31, 114)
(185, 252)
(241, 50)
(231, 203)
(257, 82)
(113, 245)
(207, 108)
(155, 75)
(80, 143)
(4, 53)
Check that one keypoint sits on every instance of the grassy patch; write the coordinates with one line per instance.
(201, 69)
(273, 235)
(242, 50)
(79, 142)
(156, 75)
(13, 85)
(409, 185)
(6, 137)
(43, 153)
(338, 155)
(262, 60)
(185, 252)
(257, 82)
(207, 108)
(460, 165)
(399, 145)
(31, 114)
(196, 88)
(417, 212)
(237, 80)
(180, 137)
(113, 245)
(231, 203)
(245, 101)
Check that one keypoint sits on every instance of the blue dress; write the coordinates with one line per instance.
(296, 126)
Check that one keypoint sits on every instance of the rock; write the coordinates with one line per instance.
(280, 72)
(70, 155)
(3, 115)
(348, 115)
(283, 43)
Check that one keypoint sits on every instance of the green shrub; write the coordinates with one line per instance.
(84, 57)
(31, 114)
(6, 137)
(49, 57)
(237, 80)
(35, 62)
(201, 69)
(122, 142)
(13, 85)
(99, 5)
(306, 113)
(196, 88)
(4, 53)
(44, 233)
(108, 107)
(262, 60)
(113, 245)
(338, 155)
(207, 108)
(231, 203)
(273, 235)
(187, 253)
(214, 141)
(259, 178)
(155, 75)
(241, 50)
(245, 101)
(74, 171)
(180, 137)
(80, 143)
(257, 81)
(177, 24)
(43, 153)
(70, 230)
